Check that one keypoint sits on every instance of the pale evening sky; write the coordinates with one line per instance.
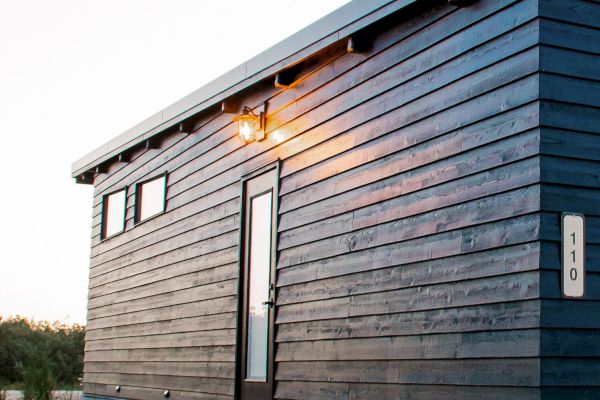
(73, 75)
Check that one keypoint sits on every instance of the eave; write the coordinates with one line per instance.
(325, 32)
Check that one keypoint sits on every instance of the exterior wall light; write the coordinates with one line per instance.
(251, 126)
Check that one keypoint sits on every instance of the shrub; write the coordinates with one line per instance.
(38, 381)
(46, 352)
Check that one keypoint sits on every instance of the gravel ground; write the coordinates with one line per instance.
(59, 395)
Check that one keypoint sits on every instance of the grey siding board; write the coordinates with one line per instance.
(465, 293)
(574, 315)
(190, 324)
(568, 36)
(580, 12)
(579, 393)
(200, 369)
(495, 344)
(469, 372)
(217, 386)
(147, 393)
(570, 343)
(499, 261)
(570, 141)
(365, 391)
(170, 354)
(418, 243)
(475, 318)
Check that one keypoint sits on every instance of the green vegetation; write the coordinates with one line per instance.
(38, 357)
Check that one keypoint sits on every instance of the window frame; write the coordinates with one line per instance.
(243, 386)
(104, 215)
(137, 210)
(248, 241)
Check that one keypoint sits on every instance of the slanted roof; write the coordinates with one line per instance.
(335, 26)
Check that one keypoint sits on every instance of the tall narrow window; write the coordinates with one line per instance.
(256, 336)
(258, 286)
(113, 213)
(150, 198)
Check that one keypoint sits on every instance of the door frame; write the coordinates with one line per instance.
(242, 277)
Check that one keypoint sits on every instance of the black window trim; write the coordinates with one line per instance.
(138, 203)
(103, 216)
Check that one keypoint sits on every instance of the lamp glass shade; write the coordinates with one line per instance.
(246, 125)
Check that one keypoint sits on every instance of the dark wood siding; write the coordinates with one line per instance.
(417, 238)
(409, 260)
(570, 166)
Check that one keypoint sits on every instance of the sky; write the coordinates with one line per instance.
(73, 75)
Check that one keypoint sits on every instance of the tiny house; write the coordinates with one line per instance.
(401, 201)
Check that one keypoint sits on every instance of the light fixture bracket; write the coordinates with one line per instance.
(262, 119)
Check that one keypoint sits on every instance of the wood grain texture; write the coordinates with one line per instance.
(421, 183)
(169, 354)
(483, 317)
(500, 261)
(189, 324)
(479, 291)
(499, 372)
(217, 386)
(146, 393)
(456, 242)
(570, 165)
(367, 391)
(456, 346)
(201, 369)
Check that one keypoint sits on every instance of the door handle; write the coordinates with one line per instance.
(269, 303)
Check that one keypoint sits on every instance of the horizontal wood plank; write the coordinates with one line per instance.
(499, 344)
(191, 384)
(144, 393)
(514, 287)
(201, 369)
(485, 317)
(506, 372)
(297, 390)
(171, 354)
(499, 261)
(190, 324)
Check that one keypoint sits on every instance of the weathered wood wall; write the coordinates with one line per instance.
(409, 250)
(416, 222)
(570, 165)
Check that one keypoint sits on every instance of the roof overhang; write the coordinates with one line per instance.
(335, 26)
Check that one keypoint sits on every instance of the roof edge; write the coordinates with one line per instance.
(336, 25)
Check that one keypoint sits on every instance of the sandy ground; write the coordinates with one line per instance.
(59, 394)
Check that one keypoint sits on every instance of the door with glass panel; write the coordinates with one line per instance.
(257, 305)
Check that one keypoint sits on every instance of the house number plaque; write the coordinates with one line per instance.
(573, 255)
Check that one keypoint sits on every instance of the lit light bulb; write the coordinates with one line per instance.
(246, 129)
(246, 124)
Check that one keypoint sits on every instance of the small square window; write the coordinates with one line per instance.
(150, 198)
(113, 213)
